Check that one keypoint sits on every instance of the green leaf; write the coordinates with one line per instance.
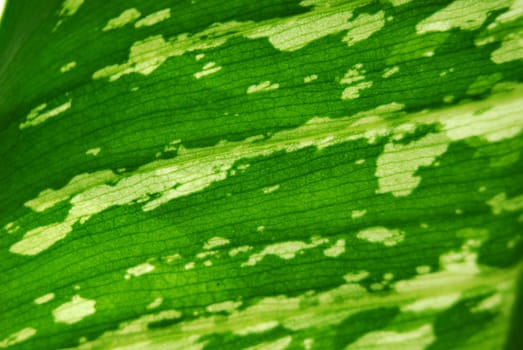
(272, 174)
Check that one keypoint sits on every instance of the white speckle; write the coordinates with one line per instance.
(390, 71)
(264, 86)
(258, 328)
(75, 310)
(270, 189)
(155, 303)
(139, 270)
(44, 298)
(238, 250)
(352, 277)
(67, 67)
(35, 117)
(126, 17)
(189, 266)
(93, 151)
(423, 269)
(358, 213)
(441, 302)
(227, 306)
(17, 337)
(154, 18)
(336, 250)
(310, 78)
(208, 69)
(382, 235)
(284, 250)
(215, 242)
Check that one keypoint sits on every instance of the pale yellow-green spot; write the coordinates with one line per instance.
(271, 189)
(353, 277)
(358, 213)
(11, 228)
(284, 250)
(199, 56)
(278, 344)
(44, 298)
(155, 303)
(75, 310)
(189, 265)
(399, 2)
(227, 306)
(263, 86)
(463, 14)
(67, 67)
(36, 117)
(388, 72)
(500, 203)
(382, 235)
(139, 270)
(440, 302)
(215, 242)
(203, 255)
(489, 303)
(17, 337)
(336, 250)
(41, 238)
(483, 83)
(399, 162)
(154, 18)
(208, 69)
(423, 269)
(70, 7)
(354, 76)
(511, 48)
(93, 151)
(238, 250)
(415, 339)
(307, 343)
(257, 328)
(310, 78)
(126, 17)
(363, 27)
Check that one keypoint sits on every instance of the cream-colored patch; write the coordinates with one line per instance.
(353, 277)
(67, 67)
(257, 328)
(382, 235)
(336, 250)
(284, 250)
(511, 48)
(238, 250)
(398, 163)
(499, 203)
(155, 303)
(463, 14)
(263, 86)
(44, 298)
(440, 302)
(399, 2)
(154, 18)
(17, 337)
(310, 78)
(354, 77)
(226, 306)
(139, 270)
(190, 265)
(75, 310)
(363, 27)
(416, 339)
(388, 72)
(278, 344)
(215, 242)
(36, 117)
(358, 213)
(271, 189)
(208, 69)
(93, 151)
(126, 17)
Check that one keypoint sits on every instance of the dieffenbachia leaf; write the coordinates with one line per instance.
(271, 174)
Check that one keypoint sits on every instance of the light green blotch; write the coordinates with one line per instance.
(67, 67)
(284, 250)
(363, 27)
(278, 344)
(126, 17)
(44, 298)
(238, 250)
(35, 117)
(226, 306)
(353, 92)
(93, 151)
(511, 48)
(75, 310)
(49, 197)
(483, 83)
(464, 260)
(505, 160)
(336, 250)
(139, 270)
(215, 242)
(263, 86)
(398, 163)
(310, 78)
(415, 339)
(399, 2)
(382, 235)
(353, 277)
(358, 213)
(17, 337)
(437, 303)
(41, 238)
(70, 7)
(208, 69)
(499, 203)
(354, 77)
(463, 14)
(271, 189)
(155, 303)
(257, 328)
(154, 18)
(388, 72)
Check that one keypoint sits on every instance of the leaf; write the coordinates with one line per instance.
(323, 174)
